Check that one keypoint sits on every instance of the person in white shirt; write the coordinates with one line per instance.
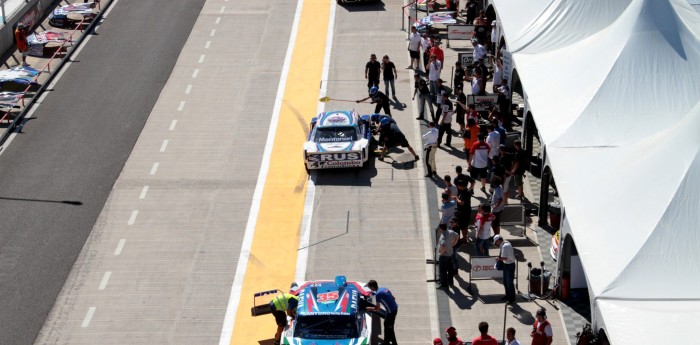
(494, 140)
(425, 46)
(445, 122)
(494, 38)
(434, 68)
(497, 74)
(414, 43)
(510, 336)
(507, 256)
(476, 82)
(479, 50)
(430, 147)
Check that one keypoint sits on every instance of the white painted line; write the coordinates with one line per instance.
(172, 125)
(195, 73)
(218, 20)
(235, 296)
(105, 280)
(303, 253)
(188, 89)
(120, 246)
(132, 219)
(201, 58)
(206, 46)
(154, 168)
(212, 33)
(181, 106)
(223, 8)
(144, 191)
(88, 317)
(164, 145)
(110, 8)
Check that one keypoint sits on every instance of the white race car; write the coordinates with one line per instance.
(338, 139)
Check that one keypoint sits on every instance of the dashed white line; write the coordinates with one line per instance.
(88, 317)
(164, 145)
(172, 125)
(212, 33)
(218, 20)
(201, 58)
(188, 89)
(120, 246)
(181, 106)
(105, 280)
(223, 8)
(132, 219)
(154, 168)
(206, 46)
(144, 191)
(195, 73)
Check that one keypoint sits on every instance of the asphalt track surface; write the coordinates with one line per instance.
(57, 174)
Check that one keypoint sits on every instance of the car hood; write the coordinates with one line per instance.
(298, 341)
(337, 146)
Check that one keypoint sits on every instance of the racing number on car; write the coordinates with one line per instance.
(327, 297)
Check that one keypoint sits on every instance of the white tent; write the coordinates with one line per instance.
(614, 88)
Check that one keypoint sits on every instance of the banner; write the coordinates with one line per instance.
(467, 58)
(460, 32)
(483, 267)
(483, 103)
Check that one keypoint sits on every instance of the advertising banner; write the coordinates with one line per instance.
(483, 267)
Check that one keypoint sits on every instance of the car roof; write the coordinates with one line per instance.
(337, 118)
(329, 298)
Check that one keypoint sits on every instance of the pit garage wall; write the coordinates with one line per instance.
(7, 40)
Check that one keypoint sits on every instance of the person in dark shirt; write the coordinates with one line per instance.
(392, 137)
(459, 75)
(460, 107)
(385, 300)
(520, 164)
(372, 69)
(471, 8)
(420, 88)
(379, 98)
(464, 206)
(390, 75)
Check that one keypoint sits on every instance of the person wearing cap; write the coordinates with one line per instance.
(379, 98)
(430, 139)
(22, 44)
(420, 88)
(385, 299)
(452, 336)
(541, 330)
(372, 71)
(507, 256)
(484, 338)
(437, 341)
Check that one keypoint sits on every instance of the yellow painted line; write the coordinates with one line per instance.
(273, 253)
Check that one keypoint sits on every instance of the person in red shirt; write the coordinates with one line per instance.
(541, 330)
(439, 54)
(484, 338)
(22, 45)
(452, 336)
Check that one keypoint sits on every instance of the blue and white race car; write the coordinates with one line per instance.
(337, 139)
(330, 313)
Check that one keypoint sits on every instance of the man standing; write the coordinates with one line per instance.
(439, 54)
(448, 239)
(483, 229)
(282, 306)
(372, 69)
(445, 122)
(478, 162)
(378, 97)
(384, 299)
(430, 147)
(390, 75)
(423, 92)
(452, 336)
(484, 338)
(414, 44)
(541, 330)
(22, 45)
(461, 108)
(507, 256)
(494, 140)
(497, 202)
(479, 51)
(464, 207)
(471, 11)
(434, 68)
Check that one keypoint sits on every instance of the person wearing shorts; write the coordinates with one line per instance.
(478, 162)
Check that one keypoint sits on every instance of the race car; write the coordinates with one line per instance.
(329, 312)
(60, 17)
(337, 139)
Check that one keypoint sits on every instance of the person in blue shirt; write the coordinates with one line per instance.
(384, 299)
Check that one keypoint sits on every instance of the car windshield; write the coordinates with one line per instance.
(335, 134)
(327, 327)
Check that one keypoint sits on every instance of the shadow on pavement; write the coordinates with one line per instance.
(365, 7)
